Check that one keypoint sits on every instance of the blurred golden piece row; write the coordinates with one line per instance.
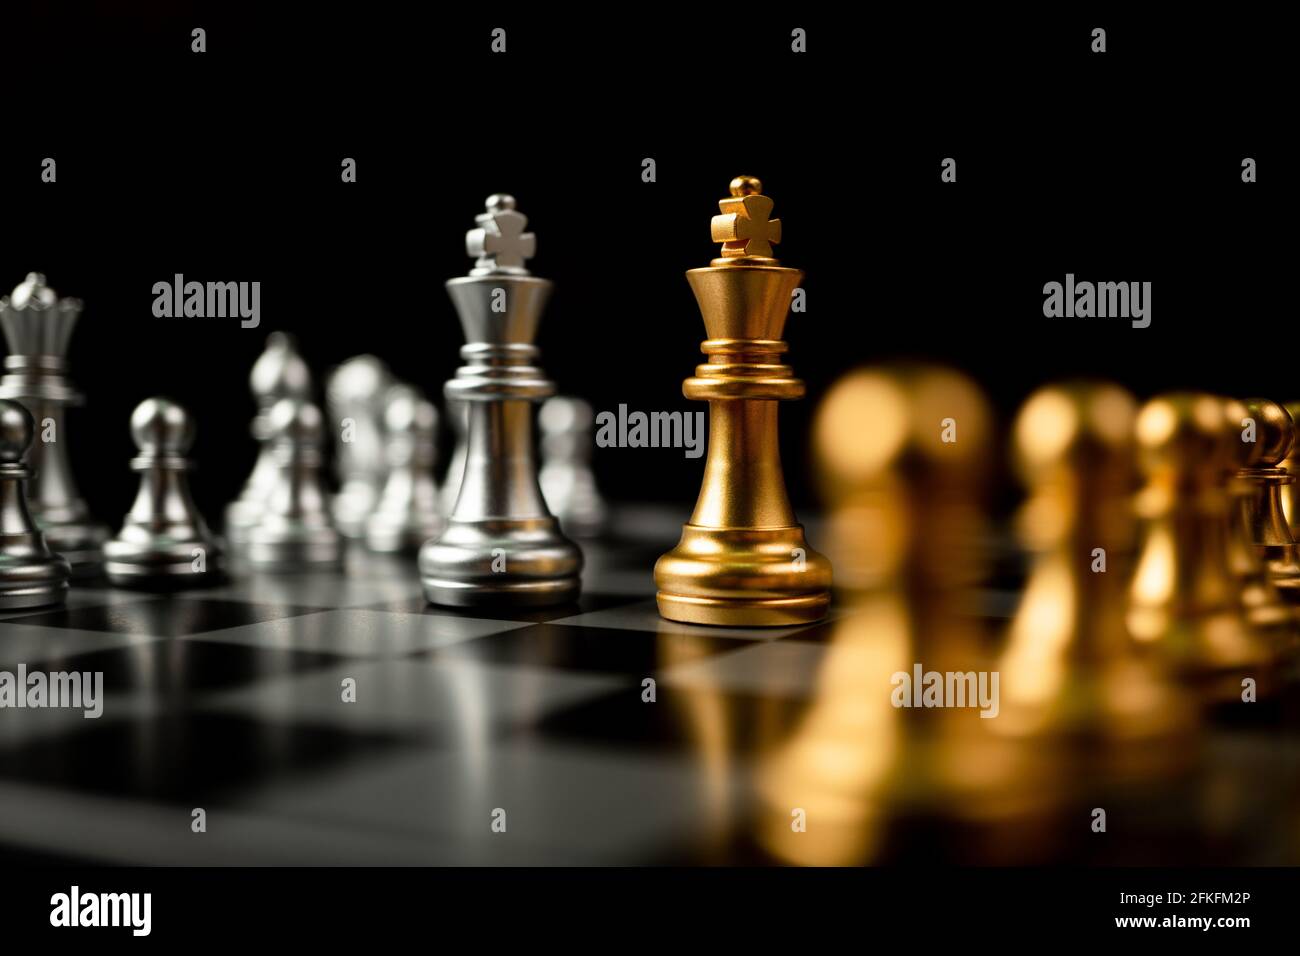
(1162, 590)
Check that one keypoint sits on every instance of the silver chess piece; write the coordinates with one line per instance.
(408, 512)
(354, 399)
(501, 545)
(278, 373)
(458, 416)
(567, 481)
(31, 575)
(295, 530)
(38, 325)
(164, 542)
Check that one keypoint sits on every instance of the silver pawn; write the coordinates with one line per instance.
(279, 372)
(567, 480)
(407, 514)
(501, 545)
(31, 575)
(164, 542)
(295, 530)
(458, 415)
(354, 398)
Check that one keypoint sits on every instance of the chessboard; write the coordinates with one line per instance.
(476, 738)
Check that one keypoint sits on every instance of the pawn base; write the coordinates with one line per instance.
(285, 543)
(505, 562)
(743, 577)
(45, 595)
(170, 557)
(297, 554)
(162, 572)
(177, 578)
(34, 582)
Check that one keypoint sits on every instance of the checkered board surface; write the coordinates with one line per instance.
(229, 699)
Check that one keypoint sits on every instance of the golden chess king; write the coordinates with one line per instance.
(742, 559)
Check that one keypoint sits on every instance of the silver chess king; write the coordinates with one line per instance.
(501, 545)
(38, 325)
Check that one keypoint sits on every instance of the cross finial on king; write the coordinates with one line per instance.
(744, 228)
(499, 244)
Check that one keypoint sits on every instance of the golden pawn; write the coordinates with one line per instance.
(1265, 607)
(742, 559)
(1270, 428)
(1183, 599)
(1290, 504)
(1073, 683)
(900, 455)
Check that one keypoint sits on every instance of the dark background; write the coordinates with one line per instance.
(225, 166)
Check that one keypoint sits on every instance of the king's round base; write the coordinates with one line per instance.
(722, 612)
(448, 593)
(751, 577)
(523, 562)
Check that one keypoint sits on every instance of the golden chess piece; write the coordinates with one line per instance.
(1291, 492)
(1094, 706)
(742, 559)
(1264, 604)
(900, 454)
(1269, 427)
(1183, 599)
